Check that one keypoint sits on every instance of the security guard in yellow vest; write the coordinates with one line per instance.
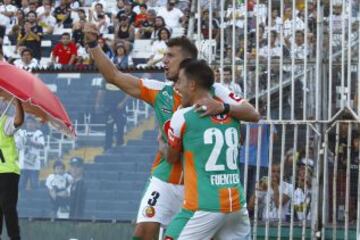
(10, 171)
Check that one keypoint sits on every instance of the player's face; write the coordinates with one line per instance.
(172, 59)
(183, 87)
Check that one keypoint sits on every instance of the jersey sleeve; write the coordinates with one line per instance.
(225, 95)
(149, 89)
(176, 130)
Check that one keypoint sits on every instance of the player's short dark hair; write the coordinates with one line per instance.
(188, 47)
(198, 71)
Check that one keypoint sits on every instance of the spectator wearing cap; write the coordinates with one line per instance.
(62, 13)
(121, 59)
(31, 34)
(65, 51)
(58, 184)
(125, 31)
(173, 16)
(100, 18)
(26, 62)
(159, 47)
(78, 188)
(142, 16)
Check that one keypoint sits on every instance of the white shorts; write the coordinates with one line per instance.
(202, 225)
(161, 202)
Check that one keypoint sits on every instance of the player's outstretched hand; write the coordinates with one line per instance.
(209, 106)
(91, 32)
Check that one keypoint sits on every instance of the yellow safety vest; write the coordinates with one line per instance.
(9, 160)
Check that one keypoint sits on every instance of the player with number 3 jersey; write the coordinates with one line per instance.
(214, 202)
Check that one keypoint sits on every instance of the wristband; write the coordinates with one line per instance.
(92, 44)
(226, 108)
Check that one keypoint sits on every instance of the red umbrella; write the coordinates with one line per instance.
(36, 97)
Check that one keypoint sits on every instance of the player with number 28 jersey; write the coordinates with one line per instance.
(214, 202)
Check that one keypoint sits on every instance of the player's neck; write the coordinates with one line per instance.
(201, 94)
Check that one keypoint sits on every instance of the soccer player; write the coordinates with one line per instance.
(214, 203)
(163, 196)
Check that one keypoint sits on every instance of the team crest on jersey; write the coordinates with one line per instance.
(166, 127)
(149, 211)
(235, 97)
(171, 135)
(221, 118)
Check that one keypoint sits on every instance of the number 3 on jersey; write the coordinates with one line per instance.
(216, 137)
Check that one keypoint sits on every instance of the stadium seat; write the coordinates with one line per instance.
(142, 49)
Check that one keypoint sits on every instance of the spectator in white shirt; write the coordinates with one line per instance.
(298, 49)
(40, 10)
(302, 195)
(102, 2)
(288, 23)
(26, 62)
(46, 20)
(159, 47)
(261, 10)
(29, 155)
(274, 50)
(8, 9)
(173, 16)
(272, 194)
(100, 18)
(229, 84)
(58, 185)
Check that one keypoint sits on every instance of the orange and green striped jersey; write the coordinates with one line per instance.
(165, 101)
(210, 147)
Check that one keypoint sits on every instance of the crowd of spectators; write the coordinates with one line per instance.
(291, 36)
(26, 25)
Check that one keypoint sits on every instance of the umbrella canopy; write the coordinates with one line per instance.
(36, 97)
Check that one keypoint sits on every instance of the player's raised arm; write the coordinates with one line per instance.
(126, 82)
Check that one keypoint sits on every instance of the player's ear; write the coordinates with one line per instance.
(192, 85)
